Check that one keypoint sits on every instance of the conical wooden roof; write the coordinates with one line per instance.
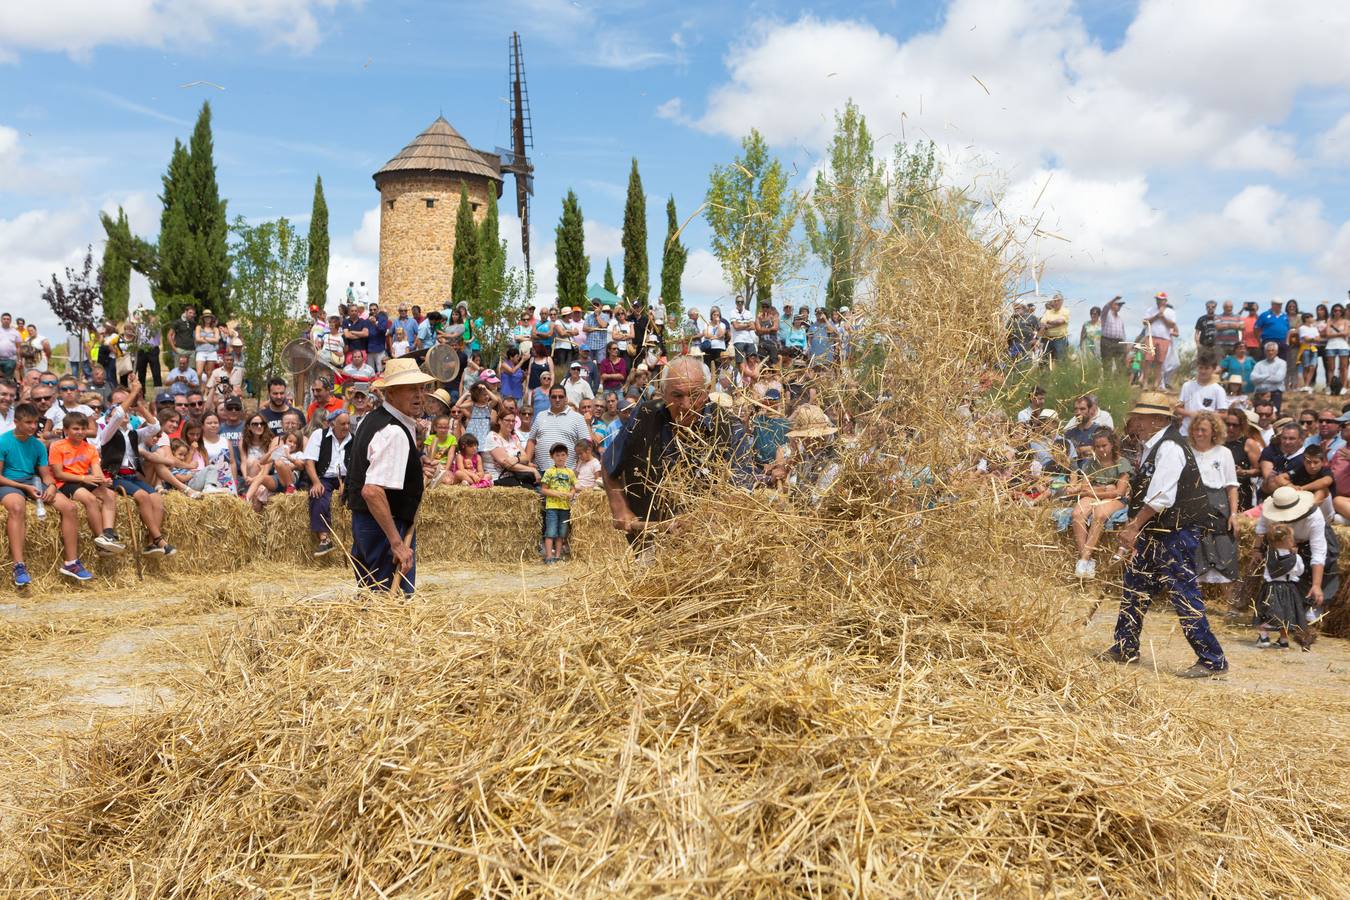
(441, 149)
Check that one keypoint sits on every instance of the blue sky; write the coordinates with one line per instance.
(1197, 148)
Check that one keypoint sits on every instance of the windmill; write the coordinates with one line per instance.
(516, 159)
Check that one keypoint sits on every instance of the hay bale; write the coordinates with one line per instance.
(593, 536)
(491, 525)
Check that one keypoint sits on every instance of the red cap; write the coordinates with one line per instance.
(313, 307)
(1161, 295)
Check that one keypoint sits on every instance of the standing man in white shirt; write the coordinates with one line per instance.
(385, 482)
(1167, 504)
(326, 466)
(743, 331)
(10, 339)
(1162, 328)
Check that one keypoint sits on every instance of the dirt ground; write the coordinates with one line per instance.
(73, 660)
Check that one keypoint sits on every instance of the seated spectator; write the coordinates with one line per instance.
(122, 456)
(181, 475)
(1281, 459)
(504, 460)
(1099, 491)
(441, 441)
(79, 476)
(256, 461)
(1314, 476)
(1035, 403)
(466, 467)
(1236, 399)
(607, 423)
(1328, 432)
(1245, 444)
(589, 470)
(358, 369)
(1268, 375)
(1081, 431)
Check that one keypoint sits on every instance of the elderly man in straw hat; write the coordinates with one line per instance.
(385, 480)
(1316, 541)
(1167, 502)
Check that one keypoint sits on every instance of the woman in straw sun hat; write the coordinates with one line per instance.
(385, 481)
(1167, 504)
(1315, 539)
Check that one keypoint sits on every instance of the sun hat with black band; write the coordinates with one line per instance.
(1153, 403)
(1288, 504)
(401, 372)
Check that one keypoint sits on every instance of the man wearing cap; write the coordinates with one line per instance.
(577, 388)
(385, 482)
(232, 418)
(1273, 326)
(1167, 503)
(1113, 335)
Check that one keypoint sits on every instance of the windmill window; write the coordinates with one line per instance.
(391, 203)
(474, 206)
(431, 202)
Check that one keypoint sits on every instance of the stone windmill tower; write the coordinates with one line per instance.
(419, 200)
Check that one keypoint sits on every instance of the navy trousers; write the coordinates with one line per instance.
(1166, 562)
(373, 558)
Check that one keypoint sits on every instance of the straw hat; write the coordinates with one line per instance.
(1288, 504)
(401, 372)
(810, 421)
(1252, 418)
(442, 395)
(722, 399)
(1153, 403)
(695, 350)
(1235, 378)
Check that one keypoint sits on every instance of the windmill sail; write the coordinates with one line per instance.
(516, 160)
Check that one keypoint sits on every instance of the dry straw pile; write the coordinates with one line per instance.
(876, 694)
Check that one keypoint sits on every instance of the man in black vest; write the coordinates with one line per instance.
(326, 466)
(385, 479)
(1167, 502)
(120, 448)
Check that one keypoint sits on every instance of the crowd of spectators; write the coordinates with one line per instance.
(540, 414)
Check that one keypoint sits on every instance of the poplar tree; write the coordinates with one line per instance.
(114, 274)
(573, 265)
(317, 275)
(464, 276)
(635, 273)
(673, 258)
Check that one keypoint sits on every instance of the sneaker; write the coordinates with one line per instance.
(21, 577)
(106, 544)
(76, 571)
(324, 548)
(1116, 656)
(1263, 643)
(1091, 568)
(1080, 569)
(290, 489)
(1200, 670)
(160, 546)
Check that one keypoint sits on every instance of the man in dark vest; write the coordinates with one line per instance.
(123, 434)
(1167, 502)
(385, 479)
(326, 466)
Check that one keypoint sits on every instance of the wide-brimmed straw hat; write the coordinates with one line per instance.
(1153, 403)
(810, 421)
(442, 395)
(400, 373)
(1288, 504)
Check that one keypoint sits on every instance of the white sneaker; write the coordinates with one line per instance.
(1090, 569)
(1080, 570)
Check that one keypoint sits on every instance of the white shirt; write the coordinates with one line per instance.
(1101, 420)
(388, 452)
(315, 444)
(1311, 528)
(1216, 467)
(1197, 397)
(1167, 465)
(743, 327)
(578, 390)
(1268, 374)
(1162, 323)
(7, 421)
(116, 422)
(56, 414)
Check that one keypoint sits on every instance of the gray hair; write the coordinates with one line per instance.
(1274, 344)
(689, 367)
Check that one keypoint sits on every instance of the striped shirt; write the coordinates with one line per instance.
(566, 428)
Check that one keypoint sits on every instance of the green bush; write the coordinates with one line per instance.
(1064, 383)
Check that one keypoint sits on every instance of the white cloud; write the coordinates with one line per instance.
(77, 27)
(1333, 146)
(1259, 149)
(366, 239)
(703, 278)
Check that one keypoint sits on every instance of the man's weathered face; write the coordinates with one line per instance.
(276, 395)
(1272, 351)
(1291, 438)
(6, 396)
(182, 362)
(1082, 410)
(1327, 426)
(684, 397)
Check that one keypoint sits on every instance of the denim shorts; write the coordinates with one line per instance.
(130, 485)
(555, 522)
(1307, 358)
(1335, 353)
(6, 490)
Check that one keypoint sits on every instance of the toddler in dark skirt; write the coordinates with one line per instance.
(1284, 608)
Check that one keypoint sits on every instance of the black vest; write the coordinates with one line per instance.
(403, 503)
(110, 456)
(1192, 503)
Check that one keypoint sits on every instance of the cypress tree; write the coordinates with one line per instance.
(317, 278)
(673, 258)
(635, 274)
(115, 272)
(172, 289)
(210, 257)
(573, 265)
(464, 278)
(609, 279)
(492, 260)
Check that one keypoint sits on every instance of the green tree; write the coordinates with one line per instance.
(190, 263)
(494, 306)
(914, 178)
(636, 280)
(115, 272)
(609, 279)
(271, 266)
(673, 258)
(752, 211)
(318, 248)
(573, 265)
(848, 197)
(464, 279)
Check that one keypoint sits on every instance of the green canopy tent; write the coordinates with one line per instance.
(597, 292)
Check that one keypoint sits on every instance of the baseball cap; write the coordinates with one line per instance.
(575, 365)
(163, 397)
(234, 403)
(489, 376)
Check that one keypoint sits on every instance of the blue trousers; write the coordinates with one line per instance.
(373, 558)
(1166, 562)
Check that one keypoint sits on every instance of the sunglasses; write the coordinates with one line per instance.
(70, 387)
(257, 424)
(47, 383)
(197, 403)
